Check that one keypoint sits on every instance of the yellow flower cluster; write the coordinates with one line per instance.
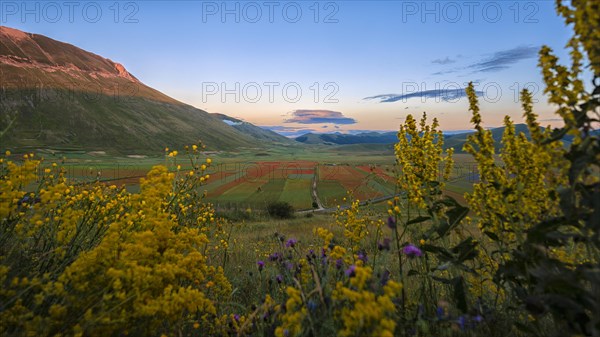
(511, 197)
(294, 316)
(354, 224)
(92, 259)
(362, 312)
(419, 158)
(325, 235)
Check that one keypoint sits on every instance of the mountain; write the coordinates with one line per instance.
(56, 95)
(254, 131)
(457, 140)
(344, 139)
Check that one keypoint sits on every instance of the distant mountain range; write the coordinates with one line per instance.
(455, 140)
(345, 139)
(55, 95)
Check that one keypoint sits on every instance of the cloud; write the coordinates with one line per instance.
(498, 61)
(503, 59)
(445, 95)
(447, 60)
(444, 72)
(318, 117)
(228, 122)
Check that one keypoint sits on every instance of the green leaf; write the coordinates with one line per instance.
(441, 279)
(448, 201)
(492, 235)
(442, 253)
(412, 272)
(418, 220)
(465, 250)
(454, 217)
(460, 297)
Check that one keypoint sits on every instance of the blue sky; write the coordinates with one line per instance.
(325, 66)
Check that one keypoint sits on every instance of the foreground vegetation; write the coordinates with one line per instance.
(521, 258)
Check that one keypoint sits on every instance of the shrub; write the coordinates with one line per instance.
(280, 209)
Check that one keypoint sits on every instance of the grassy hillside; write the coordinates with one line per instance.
(124, 125)
(55, 95)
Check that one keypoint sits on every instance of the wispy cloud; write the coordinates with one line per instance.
(503, 59)
(444, 72)
(319, 117)
(445, 95)
(498, 61)
(445, 61)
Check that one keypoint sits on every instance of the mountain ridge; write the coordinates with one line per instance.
(455, 140)
(56, 95)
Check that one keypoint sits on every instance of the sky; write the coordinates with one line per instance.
(328, 66)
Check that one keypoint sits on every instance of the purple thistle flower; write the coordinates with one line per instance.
(350, 272)
(236, 317)
(439, 312)
(412, 251)
(339, 263)
(461, 322)
(275, 257)
(385, 245)
(362, 256)
(311, 255)
(478, 318)
(391, 222)
(279, 278)
(291, 243)
(261, 265)
(385, 277)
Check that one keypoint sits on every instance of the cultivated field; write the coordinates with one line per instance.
(239, 181)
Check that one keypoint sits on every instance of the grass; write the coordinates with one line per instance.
(331, 192)
(298, 193)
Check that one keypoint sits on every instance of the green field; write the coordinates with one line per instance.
(253, 179)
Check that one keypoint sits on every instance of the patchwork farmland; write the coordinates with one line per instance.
(255, 184)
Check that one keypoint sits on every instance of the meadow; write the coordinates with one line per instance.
(511, 249)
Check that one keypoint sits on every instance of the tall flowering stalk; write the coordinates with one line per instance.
(554, 269)
(517, 187)
(422, 212)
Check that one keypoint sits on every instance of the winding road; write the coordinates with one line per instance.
(321, 209)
